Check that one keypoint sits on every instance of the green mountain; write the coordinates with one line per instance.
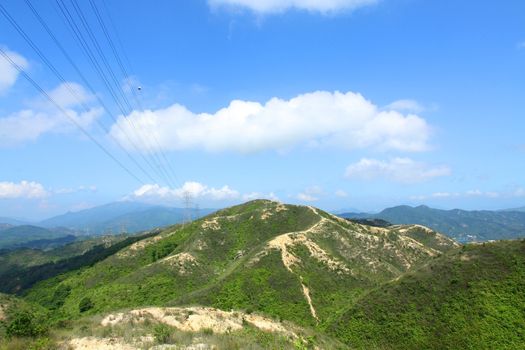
(291, 262)
(469, 298)
(265, 275)
(462, 225)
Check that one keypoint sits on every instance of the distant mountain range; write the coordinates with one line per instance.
(462, 225)
(120, 217)
(112, 218)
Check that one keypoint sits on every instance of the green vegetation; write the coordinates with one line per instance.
(395, 287)
(17, 280)
(471, 298)
(225, 260)
(11, 237)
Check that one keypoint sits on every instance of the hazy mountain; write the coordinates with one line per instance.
(86, 218)
(520, 209)
(123, 216)
(12, 222)
(463, 225)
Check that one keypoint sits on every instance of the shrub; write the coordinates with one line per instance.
(85, 304)
(162, 333)
(25, 324)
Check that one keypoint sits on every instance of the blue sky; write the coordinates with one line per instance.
(338, 103)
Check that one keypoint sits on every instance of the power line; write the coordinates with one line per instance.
(124, 70)
(63, 111)
(112, 76)
(93, 60)
(126, 75)
(60, 76)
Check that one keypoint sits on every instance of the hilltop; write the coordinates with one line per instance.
(291, 262)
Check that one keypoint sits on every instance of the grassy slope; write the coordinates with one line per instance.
(471, 298)
(234, 268)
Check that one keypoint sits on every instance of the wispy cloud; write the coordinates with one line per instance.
(279, 6)
(341, 194)
(406, 106)
(404, 170)
(318, 119)
(41, 118)
(517, 192)
(8, 73)
(521, 45)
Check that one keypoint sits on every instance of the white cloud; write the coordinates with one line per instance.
(22, 189)
(9, 74)
(42, 118)
(519, 192)
(276, 6)
(341, 194)
(404, 170)
(406, 106)
(310, 194)
(307, 197)
(478, 193)
(69, 190)
(194, 189)
(445, 194)
(258, 195)
(318, 119)
(521, 45)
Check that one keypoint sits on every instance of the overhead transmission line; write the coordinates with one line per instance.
(125, 71)
(63, 111)
(72, 91)
(94, 93)
(110, 79)
(77, 32)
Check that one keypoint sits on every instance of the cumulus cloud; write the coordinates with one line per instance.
(42, 118)
(22, 190)
(191, 188)
(310, 194)
(404, 170)
(9, 74)
(318, 119)
(276, 6)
